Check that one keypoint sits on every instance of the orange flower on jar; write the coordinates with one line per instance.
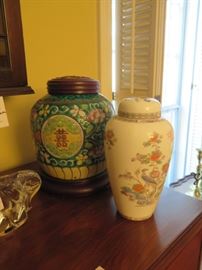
(165, 167)
(96, 116)
(155, 156)
(154, 138)
(138, 188)
(155, 173)
(109, 134)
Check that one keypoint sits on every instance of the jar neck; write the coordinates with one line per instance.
(140, 116)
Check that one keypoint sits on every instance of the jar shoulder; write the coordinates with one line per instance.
(118, 122)
(71, 98)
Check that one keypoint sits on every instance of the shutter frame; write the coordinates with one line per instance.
(141, 41)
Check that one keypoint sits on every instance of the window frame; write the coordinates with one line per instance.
(105, 43)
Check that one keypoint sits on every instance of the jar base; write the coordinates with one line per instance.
(134, 218)
(82, 187)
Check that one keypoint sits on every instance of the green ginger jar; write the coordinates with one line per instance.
(68, 127)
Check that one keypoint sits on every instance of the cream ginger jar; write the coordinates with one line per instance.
(138, 146)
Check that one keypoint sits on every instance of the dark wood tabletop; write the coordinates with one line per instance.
(83, 233)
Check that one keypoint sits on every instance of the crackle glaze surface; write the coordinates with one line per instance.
(68, 132)
(138, 153)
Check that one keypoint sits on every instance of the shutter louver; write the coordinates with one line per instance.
(138, 37)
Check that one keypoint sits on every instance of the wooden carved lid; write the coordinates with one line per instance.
(73, 85)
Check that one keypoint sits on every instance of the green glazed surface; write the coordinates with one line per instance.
(69, 129)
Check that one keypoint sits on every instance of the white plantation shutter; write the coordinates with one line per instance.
(140, 39)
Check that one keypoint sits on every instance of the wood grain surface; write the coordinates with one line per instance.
(64, 232)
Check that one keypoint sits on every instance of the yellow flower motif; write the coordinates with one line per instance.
(77, 111)
(81, 159)
(44, 111)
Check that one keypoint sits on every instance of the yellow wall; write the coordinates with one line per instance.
(61, 38)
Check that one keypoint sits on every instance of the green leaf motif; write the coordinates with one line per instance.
(88, 145)
(89, 129)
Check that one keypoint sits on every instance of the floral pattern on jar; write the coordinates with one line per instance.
(147, 180)
(109, 138)
(69, 133)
